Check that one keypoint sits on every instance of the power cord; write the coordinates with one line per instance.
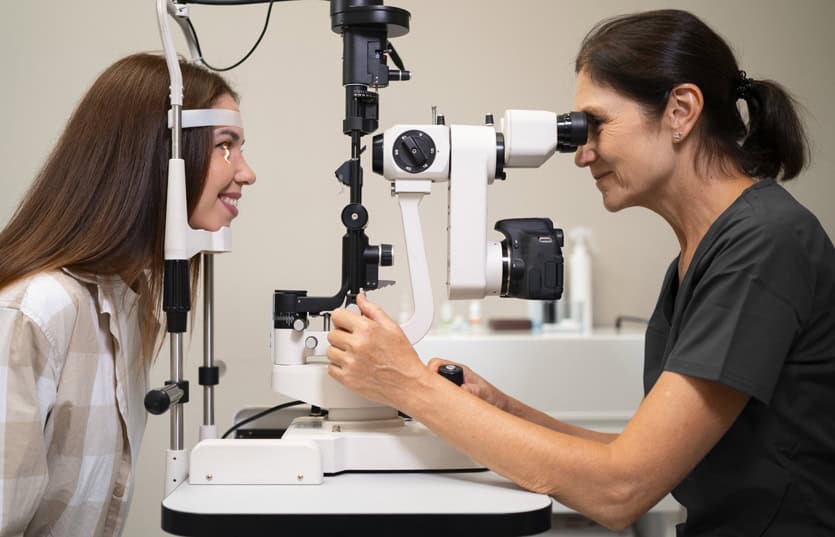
(248, 54)
(261, 414)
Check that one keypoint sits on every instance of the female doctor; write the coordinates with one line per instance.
(739, 367)
(80, 289)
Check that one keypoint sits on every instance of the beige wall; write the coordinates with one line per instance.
(468, 57)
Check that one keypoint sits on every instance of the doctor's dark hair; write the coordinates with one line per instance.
(645, 55)
(97, 206)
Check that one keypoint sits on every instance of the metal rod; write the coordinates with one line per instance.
(176, 130)
(176, 411)
(356, 183)
(208, 335)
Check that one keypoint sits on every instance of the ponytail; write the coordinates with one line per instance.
(776, 141)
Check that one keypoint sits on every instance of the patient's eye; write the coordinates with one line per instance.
(226, 151)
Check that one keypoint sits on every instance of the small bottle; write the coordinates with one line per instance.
(535, 314)
(459, 324)
(579, 279)
(474, 317)
(447, 318)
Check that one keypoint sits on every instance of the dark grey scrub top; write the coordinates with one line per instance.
(756, 311)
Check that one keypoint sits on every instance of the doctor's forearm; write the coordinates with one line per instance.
(578, 472)
(520, 409)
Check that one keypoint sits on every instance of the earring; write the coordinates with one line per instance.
(676, 137)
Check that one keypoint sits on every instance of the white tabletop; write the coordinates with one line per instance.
(440, 503)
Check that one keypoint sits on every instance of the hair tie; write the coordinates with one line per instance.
(744, 85)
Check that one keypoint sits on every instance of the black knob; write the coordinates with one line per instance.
(488, 119)
(453, 373)
(386, 255)
(377, 154)
(440, 119)
(157, 402)
(414, 151)
(402, 75)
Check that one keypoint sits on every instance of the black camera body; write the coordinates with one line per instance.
(532, 259)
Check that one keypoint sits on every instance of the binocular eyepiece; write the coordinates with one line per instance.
(572, 131)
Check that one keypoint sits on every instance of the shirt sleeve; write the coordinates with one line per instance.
(27, 394)
(746, 310)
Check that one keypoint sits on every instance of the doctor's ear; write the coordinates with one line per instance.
(684, 107)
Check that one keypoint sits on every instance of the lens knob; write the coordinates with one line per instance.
(386, 255)
(414, 151)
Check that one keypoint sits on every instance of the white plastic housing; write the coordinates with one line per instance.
(419, 323)
(291, 347)
(181, 241)
(473, 167)
(176, 469)
(530, 137)
(255, 461)
(311, 383)
(378, 445)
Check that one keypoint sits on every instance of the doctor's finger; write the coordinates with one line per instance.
(372, 310)
(345, 320)
(337, 357)
(340, 338)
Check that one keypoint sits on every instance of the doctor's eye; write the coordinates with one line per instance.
(594, 123)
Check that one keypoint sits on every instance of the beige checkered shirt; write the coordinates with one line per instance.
(71, 412)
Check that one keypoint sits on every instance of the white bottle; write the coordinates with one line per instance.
(579, 280)
(474, 317)
(535, 315)
(447, 318)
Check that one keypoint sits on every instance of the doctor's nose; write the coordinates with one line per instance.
(585, 155)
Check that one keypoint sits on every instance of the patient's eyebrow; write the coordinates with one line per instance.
(228, 132)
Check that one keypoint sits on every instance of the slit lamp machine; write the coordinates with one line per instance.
(351, 433)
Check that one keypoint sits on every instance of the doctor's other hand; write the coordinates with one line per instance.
(475, 384)
(371, 355)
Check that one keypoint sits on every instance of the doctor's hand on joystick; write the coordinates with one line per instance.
(473, 383)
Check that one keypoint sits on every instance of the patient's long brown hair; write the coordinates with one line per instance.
(98, 204)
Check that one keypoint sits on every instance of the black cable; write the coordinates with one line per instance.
(261, 414)
(395, 57)
(223, 2)
(248, 54)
